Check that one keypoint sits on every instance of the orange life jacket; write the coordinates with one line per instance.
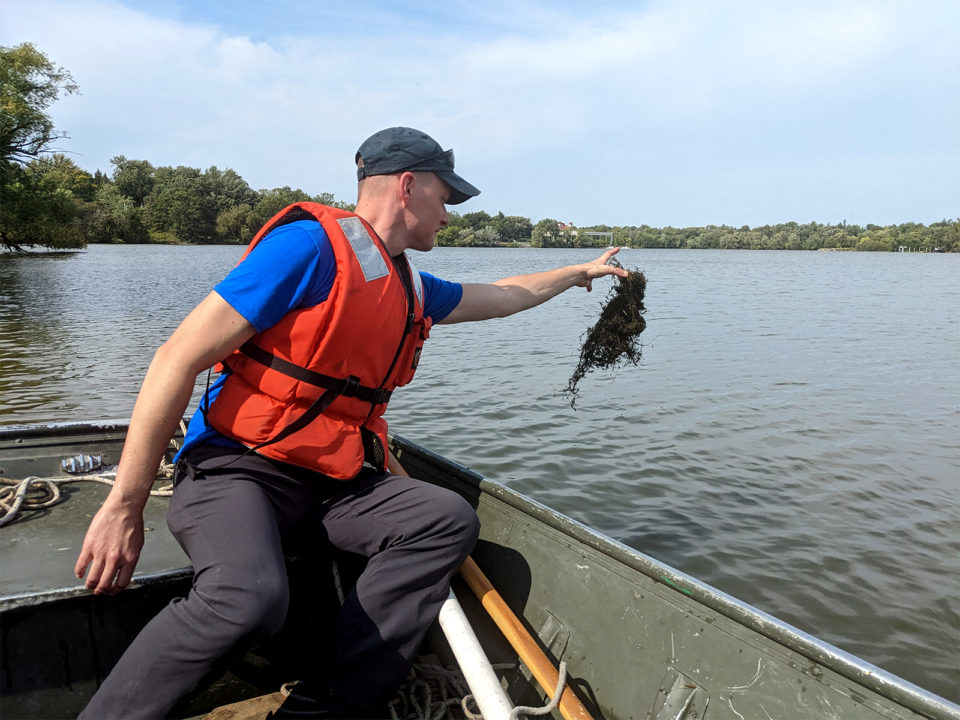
(312, 389)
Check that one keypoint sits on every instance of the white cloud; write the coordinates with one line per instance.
(535, 90)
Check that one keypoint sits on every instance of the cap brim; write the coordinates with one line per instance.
(460, 189)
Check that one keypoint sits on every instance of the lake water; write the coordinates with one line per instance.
(790, 436)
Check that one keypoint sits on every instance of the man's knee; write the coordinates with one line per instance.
(255, 608)
(470, 524)
(459, 521)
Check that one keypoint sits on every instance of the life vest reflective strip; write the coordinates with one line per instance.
(300, 392)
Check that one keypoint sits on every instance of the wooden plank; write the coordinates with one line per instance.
(251, 709)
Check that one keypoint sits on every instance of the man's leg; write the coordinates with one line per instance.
(228, 526)
(416, 536)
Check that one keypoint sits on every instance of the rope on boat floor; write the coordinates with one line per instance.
(434, 692)
(431, 692)
(37, 493)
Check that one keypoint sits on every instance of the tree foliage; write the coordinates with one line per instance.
(38, 198)
(132, 178)
(115, 218)
(29, 84)
(940, 236)
(42, 203)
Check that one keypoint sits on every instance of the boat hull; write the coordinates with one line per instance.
(640, 639)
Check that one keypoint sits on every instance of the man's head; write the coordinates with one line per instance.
(402, 149)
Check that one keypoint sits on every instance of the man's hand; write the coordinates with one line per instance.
(601, 267)
(111, 548)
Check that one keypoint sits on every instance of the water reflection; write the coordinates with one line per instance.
(77, 330)
(29, 328)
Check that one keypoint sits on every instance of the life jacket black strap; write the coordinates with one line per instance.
(372, 448)
(350, 387)
(307, 417)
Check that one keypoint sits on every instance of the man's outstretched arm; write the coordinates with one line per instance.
(521, 292)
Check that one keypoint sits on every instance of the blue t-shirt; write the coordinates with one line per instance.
(293, 267)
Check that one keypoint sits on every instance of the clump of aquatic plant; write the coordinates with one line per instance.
(615, 339)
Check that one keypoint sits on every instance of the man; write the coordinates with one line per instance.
(323, 317)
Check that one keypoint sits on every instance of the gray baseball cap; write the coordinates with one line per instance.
(403, 149)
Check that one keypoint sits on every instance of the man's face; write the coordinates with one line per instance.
(427, 208)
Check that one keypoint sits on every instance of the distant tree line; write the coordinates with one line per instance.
(140, 203)
(943, 236)
(482, 229)
(47, 200)
(63, 206)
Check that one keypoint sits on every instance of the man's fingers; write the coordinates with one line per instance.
(83, 560)
(93, 574)
(605, 258)
(107, 576)
(123, 578)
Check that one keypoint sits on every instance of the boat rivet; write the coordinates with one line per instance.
(816, 672)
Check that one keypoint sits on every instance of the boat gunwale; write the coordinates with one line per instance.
(18, 601)
(872, 677)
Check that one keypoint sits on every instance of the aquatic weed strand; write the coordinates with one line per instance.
(615, 339)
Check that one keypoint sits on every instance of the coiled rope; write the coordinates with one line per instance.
(431, 692)
(434, 692)
(37, 493)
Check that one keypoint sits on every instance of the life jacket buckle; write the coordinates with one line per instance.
(351, 386)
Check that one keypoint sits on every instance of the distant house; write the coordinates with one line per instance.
(602, 238)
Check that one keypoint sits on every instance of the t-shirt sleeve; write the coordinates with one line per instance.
(292, 267)
(440, 297)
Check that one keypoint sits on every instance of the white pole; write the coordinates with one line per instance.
(487, 691)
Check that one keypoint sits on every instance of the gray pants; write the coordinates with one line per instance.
(228, 512)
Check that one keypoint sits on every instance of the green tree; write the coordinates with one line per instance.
(237, 224)
(545, 233)
(485, 237)
(181, 208)
(29, 84)
(450, 236)
(60, 171)
(512, 228)
(476, 220)
(227, 189)
(273, 201)
(133, 178)
(115, 219)
(874, 243)
(34, 208)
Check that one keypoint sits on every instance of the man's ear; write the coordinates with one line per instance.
(405, 186)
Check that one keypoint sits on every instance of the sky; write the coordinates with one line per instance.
(664, 112)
